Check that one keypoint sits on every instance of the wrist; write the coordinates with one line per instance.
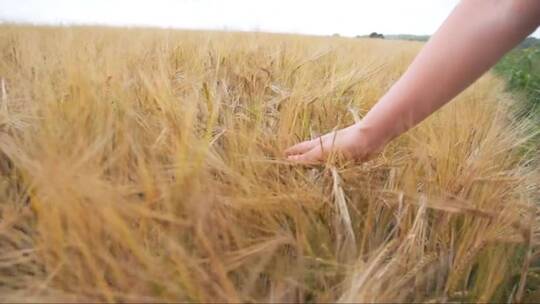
(369, 140)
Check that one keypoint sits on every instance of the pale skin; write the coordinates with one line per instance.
(470, 41)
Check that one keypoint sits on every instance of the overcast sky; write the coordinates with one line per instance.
(346, 17)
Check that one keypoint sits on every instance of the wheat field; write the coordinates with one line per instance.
(144, 165)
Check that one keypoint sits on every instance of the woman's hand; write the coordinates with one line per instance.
(473, 38)
(351, 142)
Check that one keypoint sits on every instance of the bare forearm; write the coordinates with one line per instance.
(473, 38)
(470, 41)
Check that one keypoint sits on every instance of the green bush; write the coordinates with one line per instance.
(521, 67)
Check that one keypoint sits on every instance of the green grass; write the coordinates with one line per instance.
(521, 69)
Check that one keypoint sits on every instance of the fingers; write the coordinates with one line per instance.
(313, 156)
(301, 147)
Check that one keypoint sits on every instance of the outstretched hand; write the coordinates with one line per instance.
(349, 143)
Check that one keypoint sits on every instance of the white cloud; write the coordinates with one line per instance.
(346, 17)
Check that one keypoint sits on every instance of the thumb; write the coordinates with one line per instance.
(313, 156)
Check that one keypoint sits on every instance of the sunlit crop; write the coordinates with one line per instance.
(146, 165)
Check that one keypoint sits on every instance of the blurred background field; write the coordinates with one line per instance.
(146, 165)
